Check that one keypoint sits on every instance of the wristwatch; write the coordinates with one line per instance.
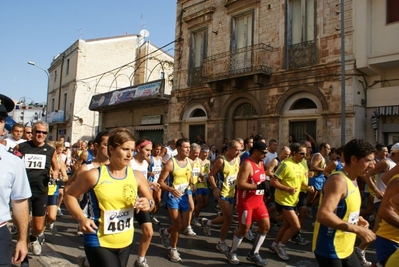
(151, 203)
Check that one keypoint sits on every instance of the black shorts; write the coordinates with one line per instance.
(38, 204)
(142, 217)
(301, 200)
(105, 257)
(280, 208)
(52, 200)
(61, 184)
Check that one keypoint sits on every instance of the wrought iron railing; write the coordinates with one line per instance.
(301, 55)
(244, 61)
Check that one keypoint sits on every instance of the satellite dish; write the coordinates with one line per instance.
(144, 33)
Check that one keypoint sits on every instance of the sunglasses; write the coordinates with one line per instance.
(28, 132)
(42, 132)
(302, 153)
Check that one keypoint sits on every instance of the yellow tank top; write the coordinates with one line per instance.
(337, 244)
(229, 177)
(386, 230)
(181, 175)
(196, 170)
(111, 205)
(205, 168)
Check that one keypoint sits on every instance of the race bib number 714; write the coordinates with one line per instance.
(35, 161)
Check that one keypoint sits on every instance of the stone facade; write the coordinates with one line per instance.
(261, 67)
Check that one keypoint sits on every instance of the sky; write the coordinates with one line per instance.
(39, 30)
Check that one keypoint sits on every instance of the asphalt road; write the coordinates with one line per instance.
(194, 251)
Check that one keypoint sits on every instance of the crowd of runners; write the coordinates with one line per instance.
(113, 181)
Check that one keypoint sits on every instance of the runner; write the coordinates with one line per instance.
(227, 166)
(251, 186)
(39, 157)
(113, 196)
(338, 221)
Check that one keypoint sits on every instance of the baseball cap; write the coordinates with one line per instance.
(6, 105)
(395, 148)
(260, 146)
(67, 144)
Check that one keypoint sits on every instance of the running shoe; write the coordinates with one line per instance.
(272, 249)
(207, 228)
(195, 222)
(257, 259)
(282, 253)
(141, 264)
(41, 238)
(299, 240)
(222, 247)
(59, 212)
(232, 257)
(155, 221)
(82, 261)
(35, 247)
(249, 235)
(164, 238)
(53, 228)
(361, 254)
(189, 232)
(174, 256)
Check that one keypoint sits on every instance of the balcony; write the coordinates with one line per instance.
(301, 55)
(57, 117)
(246, 61)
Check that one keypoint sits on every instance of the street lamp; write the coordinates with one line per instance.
(48, 82)
(34, 64)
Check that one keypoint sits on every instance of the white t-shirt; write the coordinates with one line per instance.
(11, 142)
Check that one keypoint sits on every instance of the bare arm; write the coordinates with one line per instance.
(212, 176)
(143, 203)
(270, 167)
(84, 182)
(381, 166)
(166, 170)
(20, 212)
(337, 188)
(389, 174)
(386, 211)
(54, 165)
(315, 163)
(275, 182)
(329, 168)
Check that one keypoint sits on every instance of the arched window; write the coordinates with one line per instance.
(245, 110)
(303, 103)
(197, 113)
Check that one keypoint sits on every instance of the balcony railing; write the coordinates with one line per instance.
(302, 55)
(245, 61)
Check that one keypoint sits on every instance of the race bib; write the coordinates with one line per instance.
(35, 161)
(182, 188)
(259, 192)
(196, 172)
(231, 180)
(156, 170)
(353, 217)
(118, 221)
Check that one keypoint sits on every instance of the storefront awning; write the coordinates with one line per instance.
(148, 128)
(383, 111)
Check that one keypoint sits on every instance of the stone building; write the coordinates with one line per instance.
(274, 68)
(94, 67)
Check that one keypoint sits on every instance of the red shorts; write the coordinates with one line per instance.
(246, 215)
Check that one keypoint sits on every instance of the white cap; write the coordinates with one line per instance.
(67, 144)
(395, 148)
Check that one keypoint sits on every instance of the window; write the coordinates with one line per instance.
(392, 11)
(303, 103)
(67, 67)
(299, 128)
(197, 55)
(245, 110)
(241, 37)
(301, 33)
(65, 102)
(55, 75)
(52, 104)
